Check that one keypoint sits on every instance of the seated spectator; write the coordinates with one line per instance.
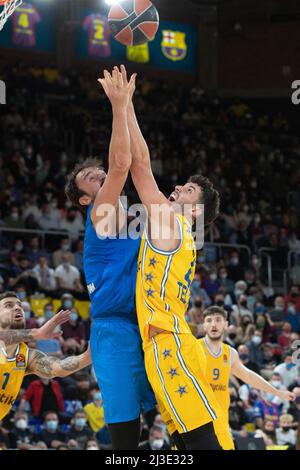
(75, 329)
(94, 410)
(211, 284)
(285, 434)
(34, 251)
(234, 336)
(294, 296)
(68, 276)
(287, 370)
(237, 416)
(20, 436)
(234, 268)
(269, 431)
(73, 223)
(45, 275)
(80, 430)
(240, 310)
(29, 316)
(243, 351)
(156, 440)
(43, 395)
(277, 315)
(197, 291)
(78, 255)
(226, 283)
(284, 339)
(293, 316)
(51, 433)
(255, 349)
(65, 249)
(265, 408)
(104, 438)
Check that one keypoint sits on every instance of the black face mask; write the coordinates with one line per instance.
(244, 303)
(232, 335)
(198, 304)
(220, 303)
(285, 428)
(269, 432)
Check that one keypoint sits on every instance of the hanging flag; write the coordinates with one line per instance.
(98, 35)
(24, 20)
(173, 45)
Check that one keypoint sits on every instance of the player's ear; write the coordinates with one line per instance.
(85, 200)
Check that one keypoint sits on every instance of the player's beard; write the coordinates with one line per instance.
(20, 325)
(216, 338)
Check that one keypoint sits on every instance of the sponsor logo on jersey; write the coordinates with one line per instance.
(20, 360)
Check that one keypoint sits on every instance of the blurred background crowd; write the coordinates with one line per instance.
(250, 263)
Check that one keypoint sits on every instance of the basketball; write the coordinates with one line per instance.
(133, 22)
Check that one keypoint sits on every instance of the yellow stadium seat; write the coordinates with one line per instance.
(83, 307)
(38, 305)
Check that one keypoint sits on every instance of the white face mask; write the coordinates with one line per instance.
(157, 444)
(21, 424)
(256, 339)
(92, 448)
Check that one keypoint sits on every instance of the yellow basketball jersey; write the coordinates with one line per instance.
(12, 371)
(218, 368)
(163, 283)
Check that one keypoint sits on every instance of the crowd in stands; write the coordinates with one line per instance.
(252, 158)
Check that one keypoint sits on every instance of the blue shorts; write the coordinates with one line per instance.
(118, 362)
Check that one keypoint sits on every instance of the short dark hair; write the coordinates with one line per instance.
(7, 294)
(72, 191)
(214, 310)
(210, 198)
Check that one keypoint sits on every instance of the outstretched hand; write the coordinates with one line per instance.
(47, 331)
(117, 88)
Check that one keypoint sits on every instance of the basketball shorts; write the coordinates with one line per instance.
(176, 371)
(118, 362)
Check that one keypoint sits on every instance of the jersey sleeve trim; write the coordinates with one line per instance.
(163, 252)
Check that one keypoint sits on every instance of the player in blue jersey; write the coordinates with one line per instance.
(110, 266)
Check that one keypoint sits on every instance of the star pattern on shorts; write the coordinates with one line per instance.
(149, 277)
(152, 262)
(181, 390)
(167, 353)
(150, 292)
(173, 372)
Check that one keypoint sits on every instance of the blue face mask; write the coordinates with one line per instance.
(244, 357)
(74, 316)
(52, 425)
(80, 422)
(27, 315)
(48, 314)
(67, 304)
(290, 366)
(98, 396)
(22, 296)
(260, 309)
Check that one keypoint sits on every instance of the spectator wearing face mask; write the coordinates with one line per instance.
(284, 339)
(243, 351)
(197, 291)
(80, 430)
(234, 268)
(240, 288)
(45, 276)
(156, 440)
(94, 410)
(65, 248)
(293, 316)
(234, 336)
(20, 436)
(73, 223)
(293, 297)
(265, 408)
(287, 370)
(29, 316)
(211, 284)
(285, 434)
(52, 345)
(68, 276)
(195, 317)
(237, 416)
(43, 395)
(240, 310)
(269, 431)
(255, 350)
(51, 434)
(226, 283)
(74, 329)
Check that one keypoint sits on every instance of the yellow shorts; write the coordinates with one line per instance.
(176, 367)
(223, 433)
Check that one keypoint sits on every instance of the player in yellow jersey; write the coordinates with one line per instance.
(175, 364)
(222, 361)
(18, 360)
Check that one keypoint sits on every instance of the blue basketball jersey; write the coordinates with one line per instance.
(110, 267)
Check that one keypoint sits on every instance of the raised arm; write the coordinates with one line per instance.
(255, 380)
(9, 337)
(146, 186)
(107, 198)
(46, 366)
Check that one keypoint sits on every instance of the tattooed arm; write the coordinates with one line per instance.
(46, 366)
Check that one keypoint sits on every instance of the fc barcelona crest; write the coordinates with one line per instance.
(20, 360)
(173, 45)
